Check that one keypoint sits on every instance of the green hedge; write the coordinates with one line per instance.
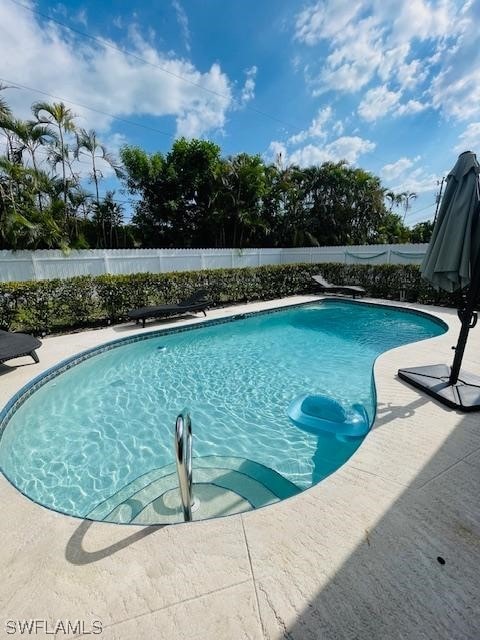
(47, 306)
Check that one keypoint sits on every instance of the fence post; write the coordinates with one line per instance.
(34, 266)
(106, 265)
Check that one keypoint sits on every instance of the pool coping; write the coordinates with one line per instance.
(367, 537)
(22, 395)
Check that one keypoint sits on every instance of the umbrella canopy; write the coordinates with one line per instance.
(455, 245)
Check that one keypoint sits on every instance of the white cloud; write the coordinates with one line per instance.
(348, 148)
(405, 45)
(406, 176)
(469, 140)
(296, 62)
(182, 20)
(389, 64)
(356, 55)
(81, 18)
(424, 20)
(378, 102)
(248, 91)
(412, 106)
(411, 74)
(338, 128)
(396, 169)
(316, 129)
(418, 181)
(325, 19)
(107, 79)
(458, 95)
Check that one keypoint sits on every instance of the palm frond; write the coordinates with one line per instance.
(5, 110)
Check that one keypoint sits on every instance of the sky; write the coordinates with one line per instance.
(391, 87)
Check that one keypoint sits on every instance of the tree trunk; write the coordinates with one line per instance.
(64, 173)
(95, 177)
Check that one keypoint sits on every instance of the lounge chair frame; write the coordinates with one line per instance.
(328, 287)
(16, 345)
(197, 302)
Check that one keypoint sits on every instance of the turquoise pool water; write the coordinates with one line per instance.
(94, 428)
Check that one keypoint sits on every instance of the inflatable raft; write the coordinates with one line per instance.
(321, 413)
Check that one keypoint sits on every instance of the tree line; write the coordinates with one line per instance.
(190, 196)
(46, 164)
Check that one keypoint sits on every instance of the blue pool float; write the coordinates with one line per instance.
(320, 413)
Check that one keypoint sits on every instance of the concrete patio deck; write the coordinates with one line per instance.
(354, 557)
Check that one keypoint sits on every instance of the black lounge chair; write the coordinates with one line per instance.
(327, 287)
(196, 302)
(14, 345)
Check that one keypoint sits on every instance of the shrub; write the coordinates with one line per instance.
(44, 306)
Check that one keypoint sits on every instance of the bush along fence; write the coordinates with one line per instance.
(52, 306)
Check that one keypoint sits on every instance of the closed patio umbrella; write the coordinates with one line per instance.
(452, 262)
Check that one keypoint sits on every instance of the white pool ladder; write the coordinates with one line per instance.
(183, 457)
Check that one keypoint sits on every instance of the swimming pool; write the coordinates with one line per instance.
(94, 437)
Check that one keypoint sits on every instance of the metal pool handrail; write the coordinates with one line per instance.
(183, 455)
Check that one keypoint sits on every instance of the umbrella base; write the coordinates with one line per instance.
(434, 380)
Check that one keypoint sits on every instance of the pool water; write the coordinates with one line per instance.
(98, 426)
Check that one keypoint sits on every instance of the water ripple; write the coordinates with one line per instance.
(101, 424)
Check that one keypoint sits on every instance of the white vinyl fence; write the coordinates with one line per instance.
(16, 266)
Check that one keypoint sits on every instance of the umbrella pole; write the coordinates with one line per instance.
(467, 324)
(469, 320)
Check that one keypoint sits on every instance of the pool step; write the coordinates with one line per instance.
(222, 486)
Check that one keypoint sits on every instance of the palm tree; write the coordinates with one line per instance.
(11, 175)
(29, 136)
(80, 200)
(88, 144)
(406, 199)
(22, 224)
(58, 155)
(242, 183)
(61, 118)
(393, 199)
(107, 215)
(5, 115)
